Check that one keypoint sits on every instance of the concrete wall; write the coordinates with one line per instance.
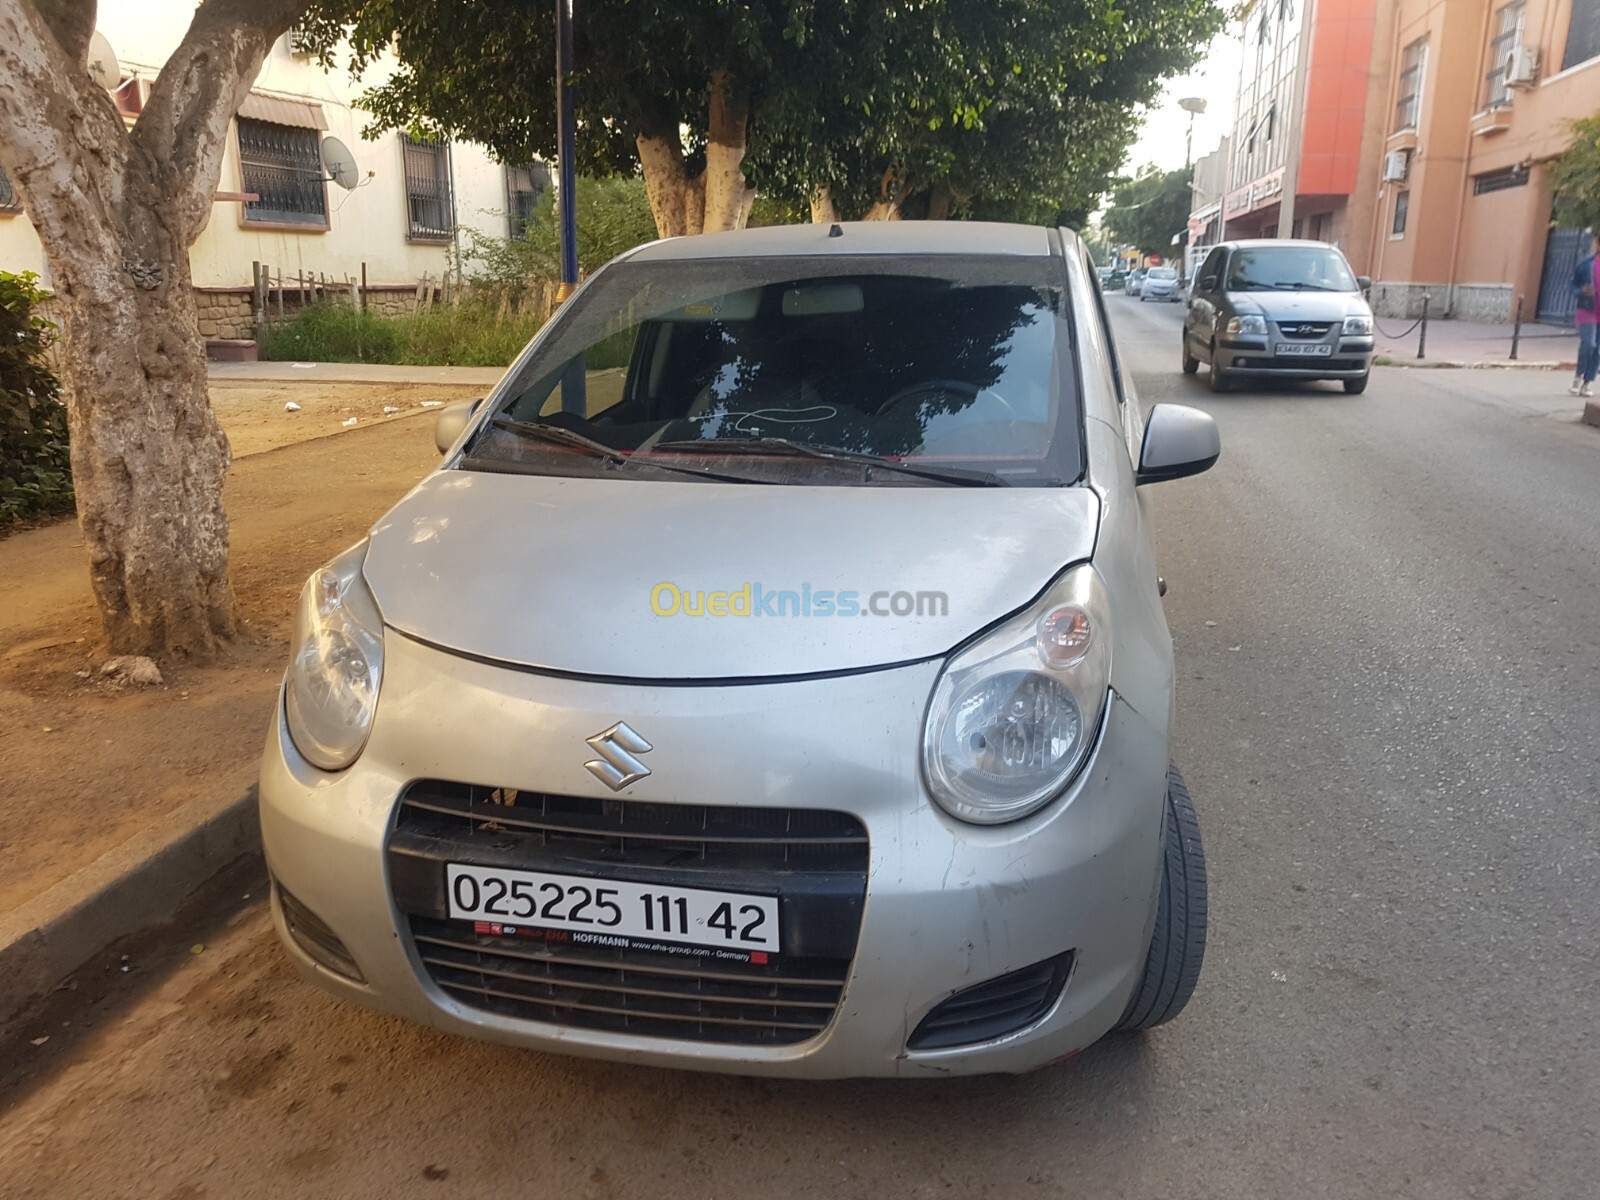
(367, 225)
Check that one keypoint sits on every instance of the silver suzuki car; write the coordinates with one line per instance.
(1286, 310)
(772, 678)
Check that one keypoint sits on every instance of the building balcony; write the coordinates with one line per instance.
(1496, 119)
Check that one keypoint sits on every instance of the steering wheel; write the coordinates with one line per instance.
(945, 386)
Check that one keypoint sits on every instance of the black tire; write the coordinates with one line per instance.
(1178, 945)
(1354, 387)
(1191, 364)
(1219, 378)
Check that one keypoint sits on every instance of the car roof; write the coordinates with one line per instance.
(981, 238)
(1290, 243)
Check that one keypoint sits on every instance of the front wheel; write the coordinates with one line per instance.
(1191, 364)
(1178, 945)
(1219, 378)
(1354, 387)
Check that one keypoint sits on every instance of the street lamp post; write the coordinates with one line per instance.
(566, 138)
(1193, 105)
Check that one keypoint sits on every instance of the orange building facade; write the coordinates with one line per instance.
(1476, 101)
(1301, 119)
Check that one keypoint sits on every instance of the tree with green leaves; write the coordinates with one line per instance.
(1148, 209)
(1575, 175)
(861, 108)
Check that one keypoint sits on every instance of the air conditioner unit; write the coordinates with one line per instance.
(1396, 165)
(299, 41)
(1522, 66)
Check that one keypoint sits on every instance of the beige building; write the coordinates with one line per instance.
(1477, 101)
(398, 225)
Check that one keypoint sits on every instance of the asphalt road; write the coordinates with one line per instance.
(1388, 644)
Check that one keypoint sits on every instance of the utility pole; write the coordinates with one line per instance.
(1192, 105)
(1291, 168)
(566, 138)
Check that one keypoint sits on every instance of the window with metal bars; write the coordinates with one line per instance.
(282, 164)
(1508, 37)
(525, 183)
(1414, 67)
(1499, 181)
(9, 201)
(427, 169)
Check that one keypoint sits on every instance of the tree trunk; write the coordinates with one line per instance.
(148, 461)
(116, 212)
(714, 200)
(665, 180)
(939, 201)
(823, 210)
(724, 181)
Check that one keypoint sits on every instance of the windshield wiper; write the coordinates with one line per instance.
(958, 476)
(1300, 284)
(561, 436)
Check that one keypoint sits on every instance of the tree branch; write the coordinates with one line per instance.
(61, 139)
(71, 22)
(183, 130)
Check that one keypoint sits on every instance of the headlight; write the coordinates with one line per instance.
(335, 665)
(1248, 324)
(1014, 715)
(1359, 326)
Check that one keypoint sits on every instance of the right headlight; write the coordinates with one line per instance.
(336, 664)
(1014, 715)
(1249, 324)
(1358, 326)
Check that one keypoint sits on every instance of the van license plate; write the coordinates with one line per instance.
(1305, 349)
(612, 911)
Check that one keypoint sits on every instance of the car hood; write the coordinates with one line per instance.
(559, 573)
(1300, 306)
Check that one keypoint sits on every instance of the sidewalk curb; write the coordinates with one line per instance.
(138, 884)
(1435, 364)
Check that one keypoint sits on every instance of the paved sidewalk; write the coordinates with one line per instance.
(1466, 343)
(294, 372)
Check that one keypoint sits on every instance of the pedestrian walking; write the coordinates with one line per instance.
(1586, 285)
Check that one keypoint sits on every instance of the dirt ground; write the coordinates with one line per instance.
(85, 764)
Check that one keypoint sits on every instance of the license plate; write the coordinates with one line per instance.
(612, 912)
(1305, 349)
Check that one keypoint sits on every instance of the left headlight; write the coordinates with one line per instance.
(335, 665)
(1358, 326)
(1014, 715)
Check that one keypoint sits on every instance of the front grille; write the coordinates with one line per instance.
(1298, 363)
(815, 861)
(626, 991)
(994, 1008)
(614, 831)
(1308, 330)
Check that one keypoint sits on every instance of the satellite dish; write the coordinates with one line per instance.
(339, 163)
(103, 66)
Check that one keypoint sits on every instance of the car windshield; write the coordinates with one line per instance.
(1289, 268)
(862, 370)
(1163, 273)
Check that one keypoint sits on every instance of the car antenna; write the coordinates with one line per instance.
(835, 231)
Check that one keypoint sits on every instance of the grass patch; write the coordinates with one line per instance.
(464, 335)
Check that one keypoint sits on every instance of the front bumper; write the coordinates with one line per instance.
(946, 905)
(1348, 358)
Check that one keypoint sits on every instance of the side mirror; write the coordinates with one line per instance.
(1208, 284)
(451, 421)
(1178, 441)
(1364, 282)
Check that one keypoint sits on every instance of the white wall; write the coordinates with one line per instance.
(367, 225)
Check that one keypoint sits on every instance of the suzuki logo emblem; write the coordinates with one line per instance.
(617, 767)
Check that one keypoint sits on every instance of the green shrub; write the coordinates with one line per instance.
(613, 216)
(35, 475)
(470, 334)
